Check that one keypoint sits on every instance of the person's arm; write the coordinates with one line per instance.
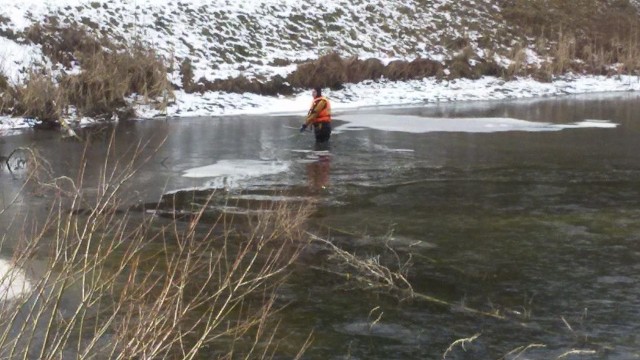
(313, 113)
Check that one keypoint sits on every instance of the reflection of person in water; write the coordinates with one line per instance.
(318, 173)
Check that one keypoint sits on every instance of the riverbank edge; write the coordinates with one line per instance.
(352, 97)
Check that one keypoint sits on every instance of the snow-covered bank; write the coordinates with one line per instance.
(367, 94)
(387, 93)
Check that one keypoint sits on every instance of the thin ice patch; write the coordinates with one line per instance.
(388, 149)
(596, 124)
(226, 174)
(416, 124)
(237, 169)
(278, 198)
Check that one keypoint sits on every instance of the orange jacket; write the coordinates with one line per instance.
(320, 111)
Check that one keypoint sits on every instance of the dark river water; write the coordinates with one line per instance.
(527, 208)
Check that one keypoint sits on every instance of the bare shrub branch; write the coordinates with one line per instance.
(121, 285)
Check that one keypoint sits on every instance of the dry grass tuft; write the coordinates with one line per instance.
(241, 84)
(39, 98)
(328, 72)
(109, 74)
(7, 95)
(400, 70)
(109, 77)
(460, 342)
(333, 71)
(186, 74)
(4, 82)
(564, 53)
(357, 70)
(518, 63)
(488, 68)
(598, 33)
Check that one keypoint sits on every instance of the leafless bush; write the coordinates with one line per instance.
(136, 286)
(327, 71)
(399, 70)
(357, 70)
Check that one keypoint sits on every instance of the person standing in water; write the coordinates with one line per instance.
(319, 117)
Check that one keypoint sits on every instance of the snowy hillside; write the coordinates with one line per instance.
(227, 38)
(259, 39)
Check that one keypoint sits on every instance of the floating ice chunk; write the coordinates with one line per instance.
(238, 169)
(417, 124)
(596, 124)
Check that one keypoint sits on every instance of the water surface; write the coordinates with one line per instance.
(528, 209)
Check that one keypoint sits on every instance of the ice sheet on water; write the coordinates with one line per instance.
(390, 150)
(237, 169)
(595, 124)
(417, 124)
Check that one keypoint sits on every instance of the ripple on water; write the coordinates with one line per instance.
(381, 330)
(612, 280)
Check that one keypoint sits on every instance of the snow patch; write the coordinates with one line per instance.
(16, 59)
(13, 282)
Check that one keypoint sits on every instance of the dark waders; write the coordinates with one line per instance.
(322, 131)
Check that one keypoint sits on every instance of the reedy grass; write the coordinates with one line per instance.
(585, 36)
(518, 63)
(121, 285)
(520, 350)
(373, 274)
(39, 97)
(369, 270)
(109, 76)
(4, 82)
(460, 342)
